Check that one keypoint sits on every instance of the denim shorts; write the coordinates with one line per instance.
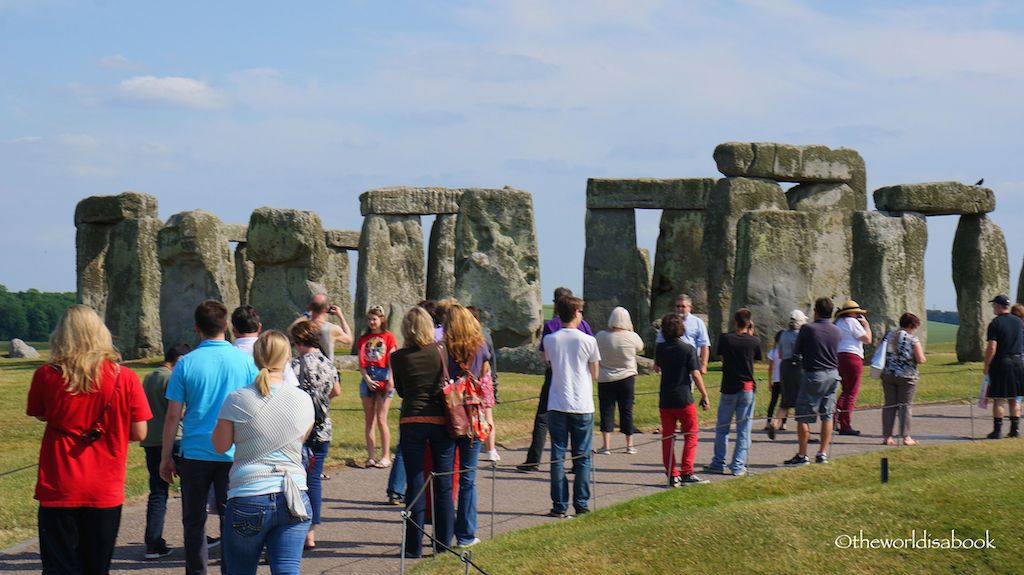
(817, 396)
(364, 391)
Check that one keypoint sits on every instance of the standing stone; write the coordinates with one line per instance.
(614, 273)
(196, 264)
(980, 271)
(441, 258)
(337, 282)
(788, 163)
(678, 263)
(20, 349)
(118, 271)
(888, 269)
(730, 199)
(289, 256)
(641, 325)
(390, 269)
(497, 268)
(244, 270)
(1020, 286)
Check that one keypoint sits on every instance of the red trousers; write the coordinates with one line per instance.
(687, 419)
(851, 366)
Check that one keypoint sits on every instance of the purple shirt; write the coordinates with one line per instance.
(555, 324)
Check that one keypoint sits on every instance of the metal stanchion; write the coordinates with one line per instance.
(593, 479)
(433, 513)
(466, 557)
(972, 420)
(671, 455)
(405, 525)
(494, 481)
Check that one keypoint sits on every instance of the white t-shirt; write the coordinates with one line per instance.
(571, 352)
(245, 345)
(850, 330)
(776, 364)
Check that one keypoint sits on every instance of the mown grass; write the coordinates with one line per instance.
(943, 379)
(788, 521)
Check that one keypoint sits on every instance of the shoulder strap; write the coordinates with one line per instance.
(444, 362)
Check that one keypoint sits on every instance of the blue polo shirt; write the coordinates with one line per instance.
(201, 380)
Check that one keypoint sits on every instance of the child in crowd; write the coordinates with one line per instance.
(376, 386)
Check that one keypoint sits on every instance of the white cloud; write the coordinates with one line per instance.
(170, 91)
(119, 62)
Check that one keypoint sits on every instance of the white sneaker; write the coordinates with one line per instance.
(630, 450)
(469, 544)
(491, 455)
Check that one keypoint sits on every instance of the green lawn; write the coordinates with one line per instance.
(943, 379)
(789, 521)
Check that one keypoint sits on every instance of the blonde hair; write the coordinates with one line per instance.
(417, 328)
(79, 346)
(271, 352)
(462, 334)
(619, 318)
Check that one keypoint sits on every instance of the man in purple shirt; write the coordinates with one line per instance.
(540, 420)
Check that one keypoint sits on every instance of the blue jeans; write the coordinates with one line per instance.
(156, 506)
(742, 406)
(579, 429)
(396, 479)
(415, 438)
(259, 520)
(465, 515)
(313, 481)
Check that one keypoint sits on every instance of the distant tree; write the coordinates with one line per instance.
(31, 315)
(944, 316)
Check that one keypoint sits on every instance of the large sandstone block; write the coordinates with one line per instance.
(91, 243)
(888, 268)
(980, 271)
(196, 264)
(824, 197)
(289, 259)
(244, 270)
(133, 287)
(441, 258)
(236, 232)
(674, 194)
(497, 267)
(731, 198)
(113, 209)
(789, 163)
(678, 262)
(390, 268)
(410, 201)
(342, 239)
(614, 271)
(336, 282)
(936, 199)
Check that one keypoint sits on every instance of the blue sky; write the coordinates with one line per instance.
(228, 106)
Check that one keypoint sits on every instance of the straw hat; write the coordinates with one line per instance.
(850, 307)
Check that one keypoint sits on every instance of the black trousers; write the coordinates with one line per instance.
(540, 423)
(196, 478)
(776, 396)
(621, 392)
(77, 540)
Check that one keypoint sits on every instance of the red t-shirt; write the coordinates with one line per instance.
(74, 472)
(375, 349)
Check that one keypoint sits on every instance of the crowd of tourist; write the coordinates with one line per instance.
(246, 426)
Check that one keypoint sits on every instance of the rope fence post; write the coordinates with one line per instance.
(467, 558)
(405, 526)
(593, 478)
(433, 513)
(494, 482)
(971, 403)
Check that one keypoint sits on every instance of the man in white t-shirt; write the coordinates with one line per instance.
(246, 325)
(574, 358)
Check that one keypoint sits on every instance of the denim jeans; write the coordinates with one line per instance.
(579, 429)
(259, 520)
(156, 505)
(313, 481)
(415, 438)
(196, 478)
(396, 479)
(465, 515)
(742, 406)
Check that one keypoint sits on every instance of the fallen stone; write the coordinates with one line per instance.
(674, 194)
(522, 359)
(404, 201)
(196, 264)
(20, 349)
(888, 269)
(390, 267)
(789, 163)
(113, 209)
(980, 271)
(342, 239)
(346, 362)
(497, 268)
(731, 198)
(441, 258)
(936, 199)
(678, 262)
(614, 273)
(820, 197)
(289, 256)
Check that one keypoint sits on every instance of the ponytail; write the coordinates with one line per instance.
(271, 352)
(263, 382)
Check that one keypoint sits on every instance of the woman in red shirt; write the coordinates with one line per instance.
(92, 408)
(376, 386)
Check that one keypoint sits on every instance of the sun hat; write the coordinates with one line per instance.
(850, 307)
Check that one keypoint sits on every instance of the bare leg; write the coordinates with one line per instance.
(1014, 407)
(997, 408)
(493, 437)
(803, 434)
(606, 438)
(382, 405)
(369, 421)
(826, 435)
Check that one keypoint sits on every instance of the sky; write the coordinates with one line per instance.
(229, 106)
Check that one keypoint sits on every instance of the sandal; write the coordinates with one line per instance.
(382, 463)
(909, 441)
(370, 462)
(889, 441)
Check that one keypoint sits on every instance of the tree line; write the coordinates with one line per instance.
(31, 315)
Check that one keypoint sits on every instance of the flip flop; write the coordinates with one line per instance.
(382, 463)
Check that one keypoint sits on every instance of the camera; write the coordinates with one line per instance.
(92, 435)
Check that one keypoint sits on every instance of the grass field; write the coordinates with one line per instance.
(942, 379)
(789, 521)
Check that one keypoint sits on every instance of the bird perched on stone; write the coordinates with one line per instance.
(980, 182)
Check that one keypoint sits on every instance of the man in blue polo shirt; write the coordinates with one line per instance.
(198, 385)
